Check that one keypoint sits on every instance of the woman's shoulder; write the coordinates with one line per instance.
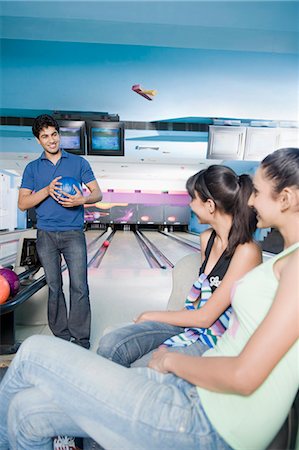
(287, 260)
(249, 250)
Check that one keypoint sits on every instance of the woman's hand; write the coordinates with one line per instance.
(157, 361)
(146, 317)
(182, 318)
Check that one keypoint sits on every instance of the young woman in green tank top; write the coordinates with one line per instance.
(258, 356)
(236, 396)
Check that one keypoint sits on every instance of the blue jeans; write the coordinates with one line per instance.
(127, 344)
(51, 245)
(55, 388)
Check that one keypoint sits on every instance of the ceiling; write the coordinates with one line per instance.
(249, 26)
(179, 24)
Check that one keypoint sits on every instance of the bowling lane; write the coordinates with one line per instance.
(94, 240)
(193, 238)
(124, 285)
(90, 235)
(173, 250)
(124, 252)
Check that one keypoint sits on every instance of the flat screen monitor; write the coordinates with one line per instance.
(105, 138)
(149, 214)
(176, 215)
(124, 214)
(94, 214)
(72, 136)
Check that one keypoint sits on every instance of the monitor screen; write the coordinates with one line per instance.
(176, 214)
(72, 136)
(148, 214)
(123, 214)
(105, 138)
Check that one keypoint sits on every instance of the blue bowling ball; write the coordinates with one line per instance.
(67, 185)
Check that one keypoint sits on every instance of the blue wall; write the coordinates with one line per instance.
(190, 82)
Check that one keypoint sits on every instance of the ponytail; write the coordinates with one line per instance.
(244, 217)
(230, 194)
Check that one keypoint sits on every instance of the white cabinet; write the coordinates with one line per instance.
(226, 142)
(289, 137)
(249, 143)
(260, 142)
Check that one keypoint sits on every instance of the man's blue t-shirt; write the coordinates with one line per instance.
(51, 216)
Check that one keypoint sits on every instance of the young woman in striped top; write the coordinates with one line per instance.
(218, 198)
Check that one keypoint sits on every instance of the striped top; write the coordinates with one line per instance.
(199, 294)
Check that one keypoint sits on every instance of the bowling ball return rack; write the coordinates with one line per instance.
(8, 344)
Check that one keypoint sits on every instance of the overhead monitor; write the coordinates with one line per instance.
(177, 215)
(150, 214)
(105, 138)
(72, 136)
(126, 213)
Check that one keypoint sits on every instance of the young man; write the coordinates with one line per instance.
(60, 223)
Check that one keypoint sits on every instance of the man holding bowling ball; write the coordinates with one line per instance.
(60, 221)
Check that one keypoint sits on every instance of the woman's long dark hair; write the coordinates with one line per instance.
(230, 193)
(282, 167)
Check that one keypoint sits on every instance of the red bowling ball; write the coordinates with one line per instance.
(106, 243)
(12, 279)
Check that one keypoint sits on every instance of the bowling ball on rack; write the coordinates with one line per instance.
(4, 289)
(67, 185)
(13, 280)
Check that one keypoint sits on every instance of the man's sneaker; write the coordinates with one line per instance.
(64, 443)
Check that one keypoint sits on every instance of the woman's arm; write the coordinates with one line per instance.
(172, 317)
(245, 373)
(245, 258)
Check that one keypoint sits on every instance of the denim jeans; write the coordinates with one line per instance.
(128, 344)
(55, 388)
(51, 245)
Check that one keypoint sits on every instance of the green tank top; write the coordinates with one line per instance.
(251, 422)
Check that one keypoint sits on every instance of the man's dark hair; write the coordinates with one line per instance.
(43, 121)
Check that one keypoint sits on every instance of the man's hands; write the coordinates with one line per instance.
(64, 199)
(52, 188)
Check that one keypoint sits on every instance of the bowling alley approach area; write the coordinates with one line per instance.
(130, 270)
